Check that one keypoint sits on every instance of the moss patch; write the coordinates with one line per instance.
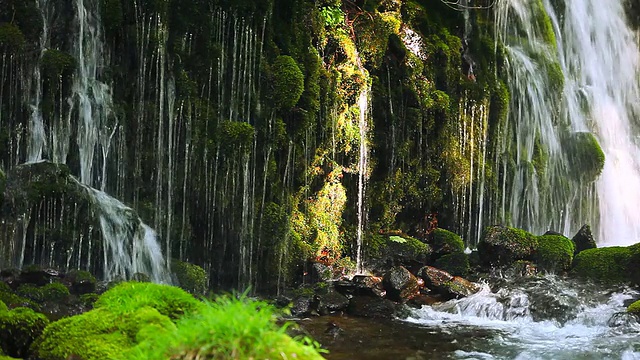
(11, 38)
(502, 245)
(554, 252)
(610, 264)
(56, 63)
(445, 242)
(18, 328)
(288, 82)
(191, 277)
(587, 157)
(634, 308)
(456, 264)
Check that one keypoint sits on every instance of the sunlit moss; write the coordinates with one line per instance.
(288, 82)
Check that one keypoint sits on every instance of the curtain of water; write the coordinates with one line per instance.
(598, 55)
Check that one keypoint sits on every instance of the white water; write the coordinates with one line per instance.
(523, 322)
(363, 104)
(600, 59)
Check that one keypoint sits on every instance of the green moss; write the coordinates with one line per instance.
(88, 299)
(56, 63)
(634, 308)
(3, 307)
(11, 38)
(232, 328)
(288, 82)
(502, 245)
(18, 328)
(13, 300)
(81, 281)
(587, 157)
(609, 264)
(235, 135)
(554, 252)
(191, 277)
(128, 296)
(456, 264)
(445, 242)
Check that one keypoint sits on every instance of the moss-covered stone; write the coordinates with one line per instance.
(56, 63)
(18, 328)
(128, 296)
(384, 251)
(13, 300)
(11, 38)
(88, 299)
(445, 242)
(634, 308)
(554, 253)
(587, 157)
(288, 82)
(609, 264)
(55, 292)
(501, 245)
(82, 282)
(456, 264)
(191, 277)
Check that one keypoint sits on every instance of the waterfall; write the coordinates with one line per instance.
(574, 71)
(37, 136)
(363, 159)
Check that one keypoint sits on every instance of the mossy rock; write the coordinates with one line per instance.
(445, 242)
(501, 245)
(288, 82)
(587, 157)
(126, 297)
(609, 264)
(383, 251)
(456, 264)
(55, 292)
(99, 334)
(11, 38)
(82, 282)
(88, 299)
(190, 277)
(12, 300)
(56, 63)
(554, 253)
(634, 308)
(583, 239)
(18, 329)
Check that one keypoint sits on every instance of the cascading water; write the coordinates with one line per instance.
(363, 104)
(597, 52)
(541, 318)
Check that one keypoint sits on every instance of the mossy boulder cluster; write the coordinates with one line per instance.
(615, 264)
(136, 320)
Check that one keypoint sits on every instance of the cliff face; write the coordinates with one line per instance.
(253, 135)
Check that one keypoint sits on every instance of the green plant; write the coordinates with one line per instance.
(227, 328)
(127, 297)
(288, 82)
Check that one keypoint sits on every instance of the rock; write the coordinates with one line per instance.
(522, 268)
(37, 276)
(456, 263)
(610, 264)
(634, 308)
(190, 277)
(334, 330)
(583, 239)
(362, 285)
(444, 242)
(18, 328)
(386, 251)
(302, 306)
(401, 284)
(82, 282)
(331, 302)
(422, 299)
(447, 285)
(433, 277)
(554, 253)
(501, 245)
(371, 307)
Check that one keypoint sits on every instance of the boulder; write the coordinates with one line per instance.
(364, 285)
(583, 239)
(455, 263)
(371, 307)
(401, 284)
(445, 284)
(332, 301)
(81, 282)
(444, 242)
(386, 251)
(634, 308)
(554, 253)
(610, 264)
(18, 329)
(501, 245)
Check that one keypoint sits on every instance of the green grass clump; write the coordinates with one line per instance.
(445, 242)
(634, 308)
(610, 264)
(554, 252)
(228, 328)
(127, 297)
(191, 277)
(18, 328)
